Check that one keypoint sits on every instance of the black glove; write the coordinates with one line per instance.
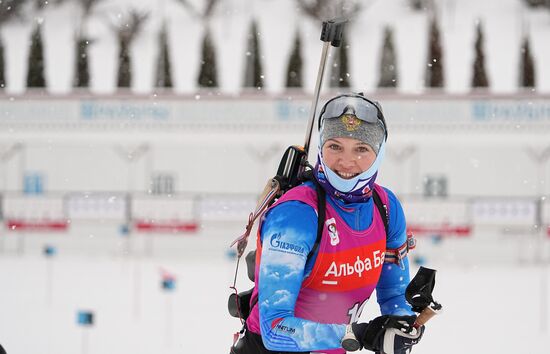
(396, 341)
(388, 334)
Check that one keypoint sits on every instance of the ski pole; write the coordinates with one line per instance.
(418, 295)
(433, 309)
(295, 157)
(331, 34)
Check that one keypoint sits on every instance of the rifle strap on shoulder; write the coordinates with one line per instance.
(321, 216)
(271, 191)
(382, 209)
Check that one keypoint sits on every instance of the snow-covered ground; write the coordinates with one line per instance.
(488, 308)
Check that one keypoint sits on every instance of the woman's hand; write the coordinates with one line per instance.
(385, 334)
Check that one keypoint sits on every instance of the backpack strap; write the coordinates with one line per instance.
(321, 216)
(382, 209)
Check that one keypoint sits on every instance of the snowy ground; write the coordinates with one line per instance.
(488, 308)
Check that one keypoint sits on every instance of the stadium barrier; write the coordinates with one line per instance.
(178, 213)
(463, 230)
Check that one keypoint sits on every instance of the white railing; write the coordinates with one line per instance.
(445, 216)
(462, 230)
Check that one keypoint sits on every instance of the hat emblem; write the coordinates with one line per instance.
(351, 122)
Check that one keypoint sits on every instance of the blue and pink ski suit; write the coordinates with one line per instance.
(303, 304)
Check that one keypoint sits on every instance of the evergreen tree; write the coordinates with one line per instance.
(339, 76)
(253, 69)
(2, 66)
(388, 66)
(536, 3)
(83, 42)
(124, 63)
(423, 5)
(127, 30)
(434, 70)
(417, 4)
(479, 78)
(82, 77)
(10, 9)
(527, 65)
(294, 69)
(164, 69)
(208, 72)
(35, 69)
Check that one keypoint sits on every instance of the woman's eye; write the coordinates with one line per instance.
(362, 149)
(334, 147)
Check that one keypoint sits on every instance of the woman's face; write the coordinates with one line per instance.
(347, 157)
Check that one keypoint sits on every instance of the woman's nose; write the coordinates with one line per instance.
(348, 160)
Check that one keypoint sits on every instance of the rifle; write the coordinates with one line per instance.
(294, 162)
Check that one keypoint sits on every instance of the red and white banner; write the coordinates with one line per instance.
(443, 230)
(37, 225)
(174, 226)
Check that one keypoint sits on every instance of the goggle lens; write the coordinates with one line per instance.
(359, 106)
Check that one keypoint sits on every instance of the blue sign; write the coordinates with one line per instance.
(123, 111)
(287, 110)
(33, 183)
(124, 230)
(49, 251)
(511, 111)
(85, 318)
(168, 284)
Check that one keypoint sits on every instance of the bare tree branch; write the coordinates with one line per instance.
(311, 9)
(190, 8)
(207, 13)
(130, 24)
(325, 9)
(40, 4)
(10, 9)
(88, 5)
(210, 5)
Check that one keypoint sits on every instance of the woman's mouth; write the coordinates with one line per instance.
(346, 175)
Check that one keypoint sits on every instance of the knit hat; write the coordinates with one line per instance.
(349, 126)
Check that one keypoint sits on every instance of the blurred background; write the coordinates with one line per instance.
(136, 136)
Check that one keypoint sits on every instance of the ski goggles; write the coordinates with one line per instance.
(359, 106)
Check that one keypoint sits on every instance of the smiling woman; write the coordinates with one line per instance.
(312, 282)
(353, 133)
(348, 157)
